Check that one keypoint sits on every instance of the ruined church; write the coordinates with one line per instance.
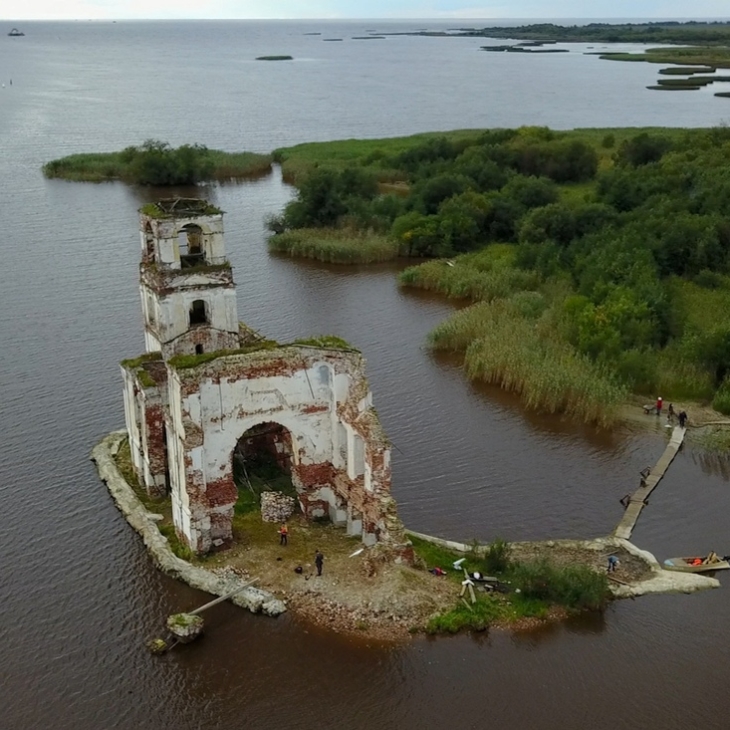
(209, 389)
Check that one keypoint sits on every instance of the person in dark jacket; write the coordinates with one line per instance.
(318, 561)
(682, 419)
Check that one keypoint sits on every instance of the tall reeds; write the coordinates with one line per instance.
(481, 276)
(526, 355)
(334, 246)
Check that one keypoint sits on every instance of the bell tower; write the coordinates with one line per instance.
(186, 283)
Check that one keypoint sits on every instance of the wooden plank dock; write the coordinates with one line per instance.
(639, 498)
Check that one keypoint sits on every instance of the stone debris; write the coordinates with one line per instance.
(276, 507)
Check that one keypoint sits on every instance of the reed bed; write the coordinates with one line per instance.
(686, 70)
(481, 276)
(334, 246)
(525, 355)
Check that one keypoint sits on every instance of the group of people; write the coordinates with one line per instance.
(681, 416)
(284, 540)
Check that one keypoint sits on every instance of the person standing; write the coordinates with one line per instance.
(682, 419)
(318, 561)
(283, 535)
(670, 413)
(659, 403)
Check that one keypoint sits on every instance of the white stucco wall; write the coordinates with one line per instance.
(226, 410)
(171, 313)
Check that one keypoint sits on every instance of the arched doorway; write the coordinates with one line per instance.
(262, 460)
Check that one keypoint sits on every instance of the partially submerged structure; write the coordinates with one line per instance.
(209, 390)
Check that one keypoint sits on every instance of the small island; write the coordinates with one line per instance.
(15, 33)
(157, 163)
(275, 58)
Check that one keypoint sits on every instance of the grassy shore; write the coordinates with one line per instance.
(334, 246)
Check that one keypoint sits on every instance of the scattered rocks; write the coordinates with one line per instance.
(276, 507)
(185, 627)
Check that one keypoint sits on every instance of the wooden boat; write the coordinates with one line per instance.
(697, 564)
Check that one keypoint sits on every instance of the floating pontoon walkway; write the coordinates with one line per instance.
(639, 497)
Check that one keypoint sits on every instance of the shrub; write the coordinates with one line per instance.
(573, 586)
(721, 401)
(476, 617)
(497, 556)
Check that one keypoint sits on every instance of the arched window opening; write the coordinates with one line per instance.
(190, 243)
(198, 349)
(198, 313)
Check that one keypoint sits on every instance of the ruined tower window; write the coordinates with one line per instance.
(198, 349)
(198, 313)
(149, 244)
(190, 243)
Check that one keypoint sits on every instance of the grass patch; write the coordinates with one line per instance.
(123, 461)
(713, 439)
(534, 587)
(184, 362)
(325, 341)
(334, 246)
(481, 276)
(471, 617)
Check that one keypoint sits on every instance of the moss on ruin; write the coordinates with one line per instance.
(325, 341)
(185, 362)
(179, 207)
(138, 362)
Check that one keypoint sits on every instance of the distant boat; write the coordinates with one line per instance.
(15, 32)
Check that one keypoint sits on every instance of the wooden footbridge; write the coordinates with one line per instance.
(639, 498)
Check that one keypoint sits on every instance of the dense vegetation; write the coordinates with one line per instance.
(658, 32)
(528, 589)
(598, 260)
(157, 163)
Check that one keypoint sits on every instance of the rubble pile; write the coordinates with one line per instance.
(276, 507)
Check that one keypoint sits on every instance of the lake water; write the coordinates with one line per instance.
(79, 595)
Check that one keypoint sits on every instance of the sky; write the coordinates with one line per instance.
(344, 9)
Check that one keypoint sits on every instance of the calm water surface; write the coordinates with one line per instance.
(78, 593)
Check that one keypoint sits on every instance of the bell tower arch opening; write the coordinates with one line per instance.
(190, 245)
